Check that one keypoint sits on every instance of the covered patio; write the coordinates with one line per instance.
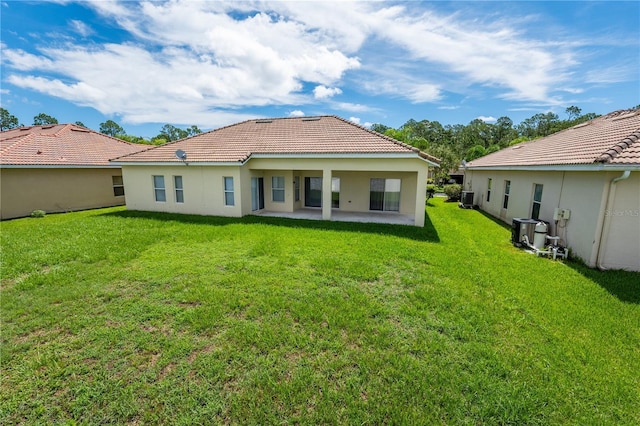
(342, 216)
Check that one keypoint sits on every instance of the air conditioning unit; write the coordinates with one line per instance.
(467, 199)
(521, 227)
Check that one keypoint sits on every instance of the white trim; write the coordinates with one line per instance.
(288, 156)
(345, 155)
(177, 163)
(560, 167)
(53, 166)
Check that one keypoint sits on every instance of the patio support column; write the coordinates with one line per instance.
(421, 195)
(326, 194)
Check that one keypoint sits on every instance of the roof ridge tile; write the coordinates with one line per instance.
(615, 150)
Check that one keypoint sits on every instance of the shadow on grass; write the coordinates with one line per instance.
(427, 233)
(624, 285)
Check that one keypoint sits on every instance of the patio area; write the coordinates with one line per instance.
(342, 216)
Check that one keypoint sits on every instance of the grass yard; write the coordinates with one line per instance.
(117, 317)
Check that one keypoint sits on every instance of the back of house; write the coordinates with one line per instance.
(58, 168)
(583, 181)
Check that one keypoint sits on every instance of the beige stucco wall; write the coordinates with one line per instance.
(203, 189)
(203, 185)
(56, 190)
(621, 240)
(584, 193)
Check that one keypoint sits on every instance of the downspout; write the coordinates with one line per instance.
(604, 231)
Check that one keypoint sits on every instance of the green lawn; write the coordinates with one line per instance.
(110, 316)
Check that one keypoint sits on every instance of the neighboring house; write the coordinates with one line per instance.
(284, 165)
(58, 168)
(590, 171)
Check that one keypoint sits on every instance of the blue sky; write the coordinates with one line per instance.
(144, 64)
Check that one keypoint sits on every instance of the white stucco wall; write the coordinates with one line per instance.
(584, 193)
(621, 240)
(203, 185)
(203, 189)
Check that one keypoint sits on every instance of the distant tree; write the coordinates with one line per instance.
(159, 140)
(573, 112)
(133, 139)
(43, 119)
(380, 128)
(7, 121)
(193, 130)
(111, 128)
(81, 124)
(172, 133)
(539, 125)
(476, 151)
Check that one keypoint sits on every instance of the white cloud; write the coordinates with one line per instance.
(486, 119)
(296, 113)
(355, 120)
(81, 28)
(322, 92)
(187, 58)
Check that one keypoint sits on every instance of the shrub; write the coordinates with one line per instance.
(453, 191)
(38, 213)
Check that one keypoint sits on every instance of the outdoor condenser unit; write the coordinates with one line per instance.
(521, 227)
(467, 199)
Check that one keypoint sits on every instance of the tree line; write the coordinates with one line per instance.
(454, 143)
(168, 132)
(450, 143)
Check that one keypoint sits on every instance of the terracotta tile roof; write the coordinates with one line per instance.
(610, 139)
(287, 136)
(61, 145)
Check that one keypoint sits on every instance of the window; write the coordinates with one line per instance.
(277, 189)
(537, 201)
(177, 185)
(228, 192)
(296, 188)
(507, 191)
(118, 186)
(384, 194)
(158, 188)
(489, 190)
(335, 193)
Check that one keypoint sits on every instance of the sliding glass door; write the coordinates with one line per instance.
(313, 192)
(384, 194)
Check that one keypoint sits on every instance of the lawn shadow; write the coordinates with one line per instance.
(624, 285)
(427, 233)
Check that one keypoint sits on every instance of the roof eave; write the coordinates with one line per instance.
(59, 166)
(593, 167)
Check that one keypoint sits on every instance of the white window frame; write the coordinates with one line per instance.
(159, 189)
(118, 187)
(178, 190)
(277, 189)
(296, 188)
(507, 193)
(489, 182)
(536, 202)
(229, 192)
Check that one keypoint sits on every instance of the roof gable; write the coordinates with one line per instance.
(320, 135)
(612, 139)
(61, 145)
